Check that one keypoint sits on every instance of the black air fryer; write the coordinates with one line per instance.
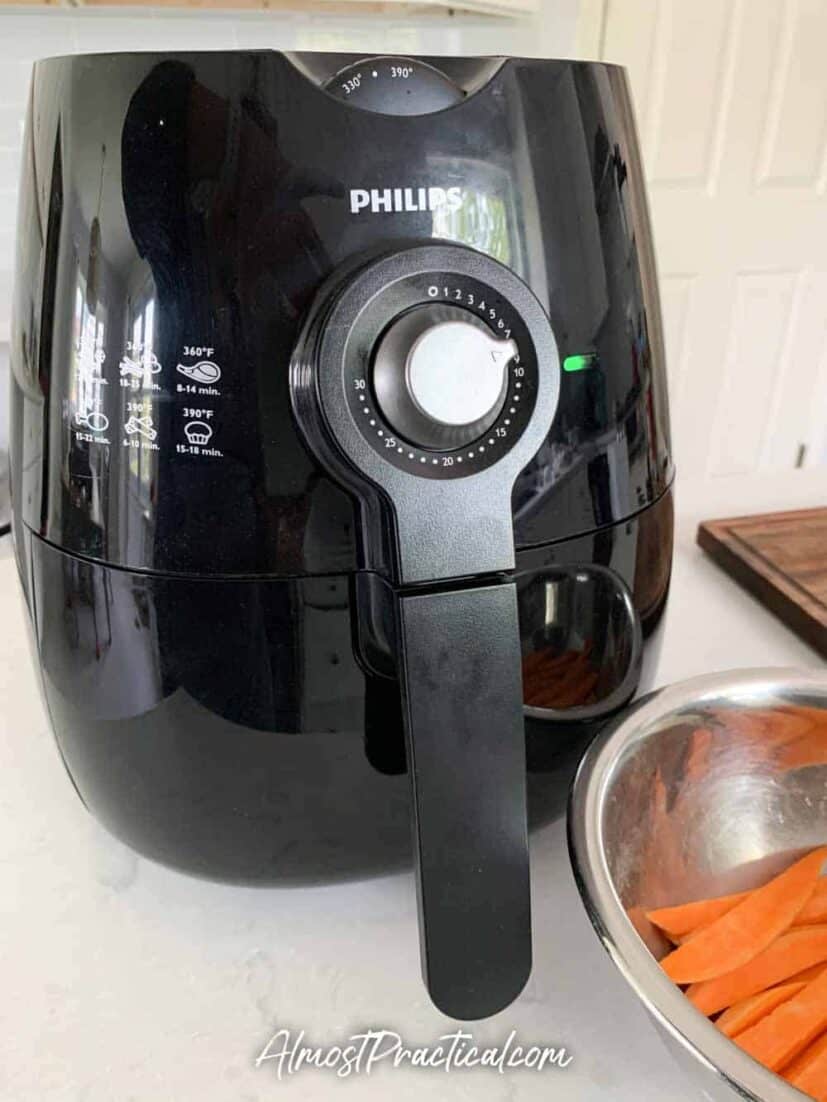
(340, 462)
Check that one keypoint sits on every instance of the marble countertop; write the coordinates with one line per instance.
(124, 980)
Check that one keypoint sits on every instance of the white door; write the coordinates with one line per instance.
(731, 100)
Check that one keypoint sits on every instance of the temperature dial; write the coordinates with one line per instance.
(395, 86)
(440, 376)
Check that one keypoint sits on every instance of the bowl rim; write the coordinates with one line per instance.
(664, 1001)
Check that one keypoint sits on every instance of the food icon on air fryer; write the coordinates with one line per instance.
(148, 364)
(94, 419)
(142, 425)
(205, 372)
(198, 432)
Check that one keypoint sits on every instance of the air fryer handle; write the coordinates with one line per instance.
(459, 663)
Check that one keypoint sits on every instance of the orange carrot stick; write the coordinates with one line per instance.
(815, 909)
(789, 1029)
(813, 912)
(807, 974)
(677, 922)
(749, 1011)
(749, 927)
(789, 954)
(808, 1072)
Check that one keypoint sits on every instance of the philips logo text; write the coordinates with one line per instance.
(397, 200)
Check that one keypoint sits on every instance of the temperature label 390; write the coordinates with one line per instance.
(198, 432)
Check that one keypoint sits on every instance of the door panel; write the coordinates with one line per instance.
(731, 101)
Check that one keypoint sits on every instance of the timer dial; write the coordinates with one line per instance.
(431, 362)
(440, 376)
(395, 86)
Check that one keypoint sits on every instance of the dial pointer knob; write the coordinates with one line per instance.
(440, 376)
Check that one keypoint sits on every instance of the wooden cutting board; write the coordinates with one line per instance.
(781, 558)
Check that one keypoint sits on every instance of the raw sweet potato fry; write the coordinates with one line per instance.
(784, 1033)
(813, 912)
(749, 1011)
(807, 974)
(743, 932)
(808, 1072)
(761, 956)
(815, 909)
(784, 958)
(686, 918)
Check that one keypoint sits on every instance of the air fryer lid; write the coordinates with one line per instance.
(424, 381)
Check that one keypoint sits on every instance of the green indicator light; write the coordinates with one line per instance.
(580, 363)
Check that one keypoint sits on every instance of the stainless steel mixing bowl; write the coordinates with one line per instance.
(700, 789)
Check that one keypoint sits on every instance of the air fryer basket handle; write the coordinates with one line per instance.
(459, 664)
(426, 518)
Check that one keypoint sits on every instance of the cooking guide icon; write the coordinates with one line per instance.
(142, 425)
(139, 367)
(205, 371)
(198, 432)
(95, 420)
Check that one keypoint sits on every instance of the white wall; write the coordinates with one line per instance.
(731, 101)
(4, 435)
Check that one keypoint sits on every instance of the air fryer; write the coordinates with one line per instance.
(340, 463)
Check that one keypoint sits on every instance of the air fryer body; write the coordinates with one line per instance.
(213, 642)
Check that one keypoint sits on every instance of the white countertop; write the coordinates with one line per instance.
(123, 980)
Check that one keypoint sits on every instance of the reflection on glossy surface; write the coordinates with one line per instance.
(484, 220)
(194, 221)
(708, 787)
(177, 706)
(581, 642)
(224, 726)
(249, 760)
